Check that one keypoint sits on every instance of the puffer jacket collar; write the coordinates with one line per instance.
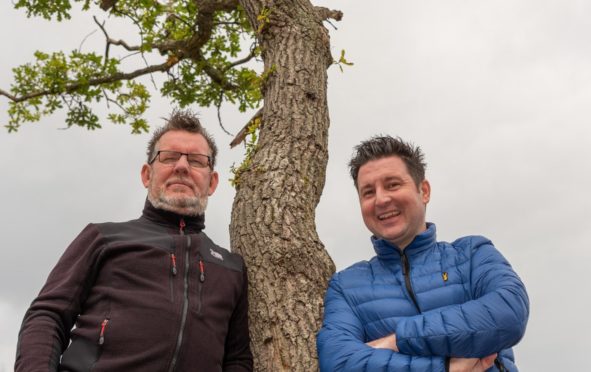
(388, 251)
(193, 225)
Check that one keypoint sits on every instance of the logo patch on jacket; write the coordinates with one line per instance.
(216, 254)
(444, 276)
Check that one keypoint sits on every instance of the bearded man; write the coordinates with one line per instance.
(151, 294)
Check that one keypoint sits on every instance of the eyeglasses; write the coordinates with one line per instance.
(171, 157)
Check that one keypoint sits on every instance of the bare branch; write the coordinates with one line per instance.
(219, 110)
(250, 56)
(97, 81)
(110, 100)
(131, 48)
(84, 40)
(244, 131)
(151, 76)
(10, 96)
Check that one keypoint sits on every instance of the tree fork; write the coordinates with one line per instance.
(273, 216)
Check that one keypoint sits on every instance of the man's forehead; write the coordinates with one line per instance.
(389, 164)
(382, 169)
(183, 136)
(370, 180)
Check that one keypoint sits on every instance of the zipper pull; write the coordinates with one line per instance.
(102, 334)
(201, 271)
(182, 226)
(173, 260)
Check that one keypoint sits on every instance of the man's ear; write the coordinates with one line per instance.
(425, 190)
(214, 179)
(146, 175)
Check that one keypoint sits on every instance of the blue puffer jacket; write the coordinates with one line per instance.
(461, 299)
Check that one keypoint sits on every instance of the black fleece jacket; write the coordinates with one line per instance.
(152, 294)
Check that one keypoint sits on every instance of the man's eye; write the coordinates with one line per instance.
(367, 193)
(167, 158)
(393, 186)
(197, 163)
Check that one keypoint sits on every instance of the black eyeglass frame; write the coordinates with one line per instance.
(157, 155)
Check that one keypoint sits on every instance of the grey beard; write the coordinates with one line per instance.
(186, 206)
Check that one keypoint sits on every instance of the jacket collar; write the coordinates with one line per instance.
(193, 224)
(387, 251)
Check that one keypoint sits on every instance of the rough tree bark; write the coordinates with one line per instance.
(273, 216)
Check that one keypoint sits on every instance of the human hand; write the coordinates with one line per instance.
(471, 364)
(388, 342)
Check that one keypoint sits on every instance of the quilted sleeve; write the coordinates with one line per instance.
(341, 345)
(495, 319)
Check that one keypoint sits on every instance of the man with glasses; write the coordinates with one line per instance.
(152, 294)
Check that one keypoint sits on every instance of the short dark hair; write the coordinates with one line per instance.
(382, 146)
(182, 120)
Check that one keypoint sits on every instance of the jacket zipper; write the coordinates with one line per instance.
(179, 340)
(173, 269)
(173, 272)
(201, 283)
(104, 324)
(406, 273)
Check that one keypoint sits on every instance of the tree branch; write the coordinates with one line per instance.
(107, 4)
(113, 41)
(216, 5)
(192, 48)
(244, 131)
(325, 13)
(10, 96)
(216, 75)
(250, 56)
(97, 81)
(180, 50)
(219, 110)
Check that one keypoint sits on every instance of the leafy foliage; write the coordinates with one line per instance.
(204, 64)
(46, 8)
(342, 61)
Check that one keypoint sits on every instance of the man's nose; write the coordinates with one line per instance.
(382, 197)
(182, 165)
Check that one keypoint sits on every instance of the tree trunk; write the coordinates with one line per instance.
(273, 216)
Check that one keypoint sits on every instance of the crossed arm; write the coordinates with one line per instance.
(453, 364)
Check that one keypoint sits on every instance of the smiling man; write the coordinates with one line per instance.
(152, 294)
(419, 304)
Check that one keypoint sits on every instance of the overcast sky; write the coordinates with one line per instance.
(497, 93)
